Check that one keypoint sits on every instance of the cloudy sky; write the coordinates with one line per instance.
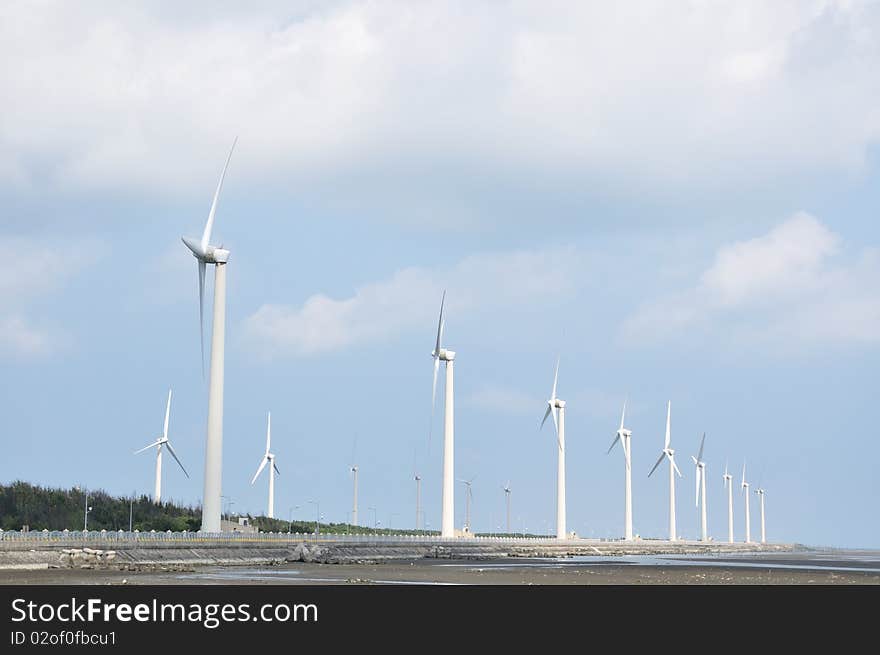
(681, 199)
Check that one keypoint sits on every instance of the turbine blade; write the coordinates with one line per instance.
(167, 413)
(274, 466)
(702, 443)
(556, 421)
(209, 226)
(668, 414)
(675, 466)
(697, 497)
(744, 473)
(546, 414)
(268, 432)
(174, 455)
(623, 414)
(155, 443)
(260, 470)
(614, 443)
(555, 379)
(202, 311)
(433, 401)
(662, 455)
(440, 325)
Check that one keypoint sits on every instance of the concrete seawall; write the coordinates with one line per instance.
(122, 555)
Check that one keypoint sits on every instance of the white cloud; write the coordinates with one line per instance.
(19, 338)
(29, 269)
(410, 299)
(788, 287)
(149, 96)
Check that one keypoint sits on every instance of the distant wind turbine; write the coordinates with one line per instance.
(269, 458)
(760, 492)
(507, 497)
(447, 520)
(158, 444)
(469, 496)
(556, 408)
(206, 254)
(669, 454)
(745, 488)
(728, 484)
(701, 485)
(624, 436)
(354, 474)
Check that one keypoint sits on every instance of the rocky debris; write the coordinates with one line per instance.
(85, 558)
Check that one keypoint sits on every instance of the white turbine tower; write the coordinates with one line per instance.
(507, 498)
(206, 254)
(669, 454)
(447, 520)
(760, 492)
(556, 407)
(701, 487)
(269, 458)
(624, 436)
(728, 484)
(159, 443)
(745, 487)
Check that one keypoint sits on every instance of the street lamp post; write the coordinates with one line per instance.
(317, 505)
(86, 514)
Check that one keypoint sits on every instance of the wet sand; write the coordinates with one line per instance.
(785, 569)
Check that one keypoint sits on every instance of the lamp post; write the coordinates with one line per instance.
(317, 505)
(130, 510)
(86, 514)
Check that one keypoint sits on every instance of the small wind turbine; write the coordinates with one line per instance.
(745, 488)
(159, 443)
(354, 475)
(701, 480)
(669, 454)
(556, 407)
(728, 484)
(447, 520)
(624, 436)
(468, 498)
(760, 492)
(206, 254)
(507, 497)
(269, 458)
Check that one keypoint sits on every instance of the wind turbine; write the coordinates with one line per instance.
(669, 454)
(269, 458)
(468, 497)
(624, 437)
(760, 492)
(354, 474)
(447, 521)
(728, 484)
(701, 480)
(507, 497)
(206, 254)
(745, 487)
(162, 441)
(556, 407)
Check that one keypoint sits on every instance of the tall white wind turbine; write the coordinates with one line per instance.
(447, 520)
(745, 488)
(206, 254)
(728, 484)
(354, 476)
(701, 486)
(760, 492)
(624, 436)
(158, 444)
(669, 454)
(556, 407)
(269, 458)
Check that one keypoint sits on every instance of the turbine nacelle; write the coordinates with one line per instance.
(557, 403)
(444, 355)
(209, 254)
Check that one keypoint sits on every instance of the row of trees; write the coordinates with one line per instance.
(23, 505)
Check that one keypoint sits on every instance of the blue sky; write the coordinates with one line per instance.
(681, 200)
